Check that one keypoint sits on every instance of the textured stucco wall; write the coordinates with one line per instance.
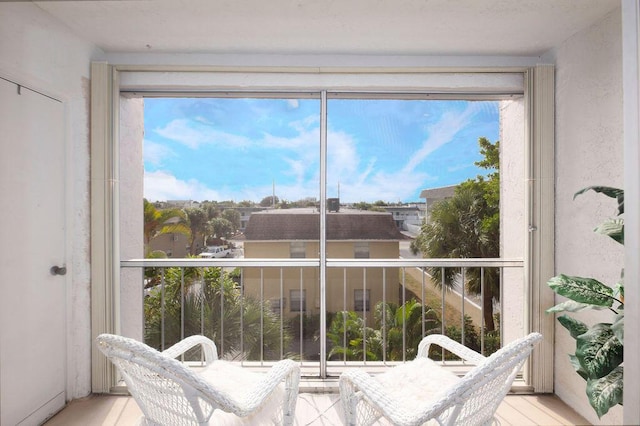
(512, 214)
(131, 214)
(38, 52)
(589, 151)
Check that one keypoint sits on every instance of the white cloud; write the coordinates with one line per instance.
(458, 167)
(342, 156)
(307, 123)
(441, 133)
(390, 187)
(193, 133)
(203, 120)
(297, 169)
(155, 153)
(358, 176)
(162, 186)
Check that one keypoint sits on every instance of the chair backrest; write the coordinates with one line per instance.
(167, 391)
(475, 399)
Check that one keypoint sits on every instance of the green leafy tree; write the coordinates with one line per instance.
(234, 217)
(393, 321)
(163, 221)
(269, 201)
(207, 301)
(348, 333)
(352, 339)
(220, 228)
(467, 225)
(211, 208)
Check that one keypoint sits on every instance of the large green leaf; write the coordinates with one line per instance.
(573, 306)
(575, 327)
(618, 327)
(606, 391)
(616, 193)
(619, 290)
(599, 350)
(613, 228)
(583, 290)
(576, 365)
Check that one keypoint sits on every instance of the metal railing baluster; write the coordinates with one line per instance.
(374, 277)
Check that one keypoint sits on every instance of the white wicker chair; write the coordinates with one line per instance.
(421, 392)
(171, 393)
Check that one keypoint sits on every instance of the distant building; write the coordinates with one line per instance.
(175, 245)
(295, 233)
(433, 195)
(407, 216)
(176, 204)
(245, 214)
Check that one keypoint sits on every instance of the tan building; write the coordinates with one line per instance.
(295, 234)
(175, 245)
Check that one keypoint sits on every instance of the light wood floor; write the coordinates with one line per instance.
(315, 409)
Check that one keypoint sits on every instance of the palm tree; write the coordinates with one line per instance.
(163, 221)
(207, 301)
(394, 321)
(197, 220)
(468, 226)
(348, 335)
(352, 339)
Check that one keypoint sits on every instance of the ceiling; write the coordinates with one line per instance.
(371, 27)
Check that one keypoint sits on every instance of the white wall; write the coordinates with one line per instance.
(589, 151)
(38, 52)
(512, 214)
(631, 98)
(131, 214)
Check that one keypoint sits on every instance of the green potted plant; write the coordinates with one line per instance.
(599, 348)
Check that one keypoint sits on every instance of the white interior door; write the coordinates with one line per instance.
(32, 227)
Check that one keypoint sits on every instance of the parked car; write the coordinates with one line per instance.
(215, 251)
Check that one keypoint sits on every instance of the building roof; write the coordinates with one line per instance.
(438, 193)
(401, 208)
(305, 225)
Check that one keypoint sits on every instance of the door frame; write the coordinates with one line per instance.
(59, 401)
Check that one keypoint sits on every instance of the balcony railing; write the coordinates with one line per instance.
(366, 312)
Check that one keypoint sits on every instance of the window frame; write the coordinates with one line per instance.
(362, 300)
(108, 82)
(299, 299)
(297, 250)
(361, 250)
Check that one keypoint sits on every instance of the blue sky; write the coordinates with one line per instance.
(239, 149)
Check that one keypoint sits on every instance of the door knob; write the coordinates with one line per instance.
(58, 270)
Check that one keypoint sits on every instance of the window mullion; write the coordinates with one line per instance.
(323, 234)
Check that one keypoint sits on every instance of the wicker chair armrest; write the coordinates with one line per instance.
(450, 345)
(208, 347)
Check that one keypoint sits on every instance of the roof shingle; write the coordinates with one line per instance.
(306, 226)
